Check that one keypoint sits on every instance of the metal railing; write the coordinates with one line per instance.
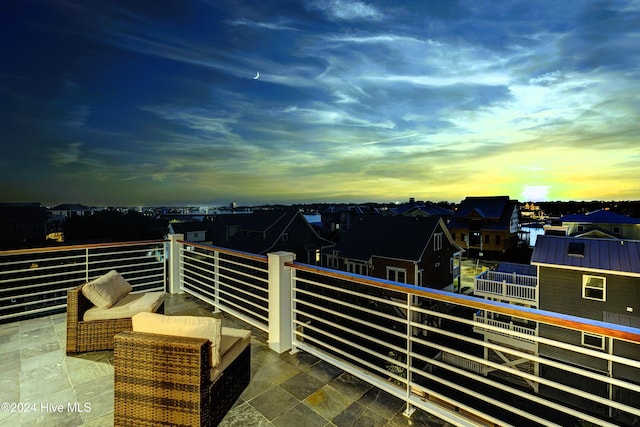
(231, 281)
(507, 285)
(34, 282)
(418, 344)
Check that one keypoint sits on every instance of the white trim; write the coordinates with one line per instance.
(586, 269)
(585, 286)
(601, 337)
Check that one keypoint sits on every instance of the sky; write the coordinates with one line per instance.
(204, 102)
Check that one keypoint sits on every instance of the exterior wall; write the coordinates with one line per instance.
(560, 290)
(380, 265)
(507, 239)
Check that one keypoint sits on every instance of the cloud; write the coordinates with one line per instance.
(61, 157)
(346, 10)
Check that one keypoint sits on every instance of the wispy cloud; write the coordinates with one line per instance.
(346, 9)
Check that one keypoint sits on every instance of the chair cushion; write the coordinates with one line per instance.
(127, 306)
(182, 326)
(106, 290)
(232, 343)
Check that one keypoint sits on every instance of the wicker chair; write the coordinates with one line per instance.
(93, 335)
(166, 380)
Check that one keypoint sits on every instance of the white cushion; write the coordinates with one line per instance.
(106, 290)
(182, 326)
(233, 342)
(127, 306)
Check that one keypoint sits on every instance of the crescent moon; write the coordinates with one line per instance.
(257, 76)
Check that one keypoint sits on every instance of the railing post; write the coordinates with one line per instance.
(174, 263)
(280, 301)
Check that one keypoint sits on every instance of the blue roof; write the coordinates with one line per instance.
(600, 254)
(600, 216)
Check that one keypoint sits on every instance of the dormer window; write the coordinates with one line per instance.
(576, 249)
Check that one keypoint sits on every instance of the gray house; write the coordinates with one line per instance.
(596, 279)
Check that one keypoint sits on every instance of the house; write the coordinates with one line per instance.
(264, 231)
(602, 223)
(596, 279)
(516, 284)
(337, 219)
(414, 208)
(414, 250)
(193, 231)
(485, 225)
(22, 225)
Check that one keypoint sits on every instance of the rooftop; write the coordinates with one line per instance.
(286, 389)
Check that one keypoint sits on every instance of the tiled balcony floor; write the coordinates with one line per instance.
(285, 390)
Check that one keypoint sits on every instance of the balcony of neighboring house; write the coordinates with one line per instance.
(507, 330)
(328, 347)
(510, 287)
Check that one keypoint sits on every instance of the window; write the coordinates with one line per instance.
(437, 241)
(357, 268)
(576, 249)
(285, 237)
(397, 274)
(453, 236)
(616, 229)
(594, 287)
(487, 239)
(497, 240)
(592, 340)
(332, 261)
(463, 237)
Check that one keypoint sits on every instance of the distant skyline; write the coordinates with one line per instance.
(203, 102)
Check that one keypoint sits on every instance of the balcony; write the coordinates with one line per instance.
(328, 346)
(503, 331)
(515, 288)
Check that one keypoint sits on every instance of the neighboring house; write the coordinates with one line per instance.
(69, 210)
(421, 209)
(267, 231)
(595, 279)
(601, 224)
(485, 225)
(513, 284)
(22, 225)
(337, 219)
(418, 251)
(193, 231)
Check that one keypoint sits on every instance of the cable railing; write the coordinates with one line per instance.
(34, 282)
(231, 281)
(419, 345)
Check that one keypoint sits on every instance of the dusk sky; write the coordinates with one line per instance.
(157, 102)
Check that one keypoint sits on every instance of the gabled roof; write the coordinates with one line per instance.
(601, 216)
(610, 255)
(428, 208)
(497, 208)
(396, 237)
(266, 229)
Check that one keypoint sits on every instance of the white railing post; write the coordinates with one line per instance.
(174, 263)
(280, 301)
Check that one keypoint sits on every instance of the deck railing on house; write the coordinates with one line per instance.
(34, 282)
(508, 286)
(415, 343)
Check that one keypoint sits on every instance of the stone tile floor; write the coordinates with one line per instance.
(44, 386)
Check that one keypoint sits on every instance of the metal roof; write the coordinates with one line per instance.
(601, 216)
(596, 254)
